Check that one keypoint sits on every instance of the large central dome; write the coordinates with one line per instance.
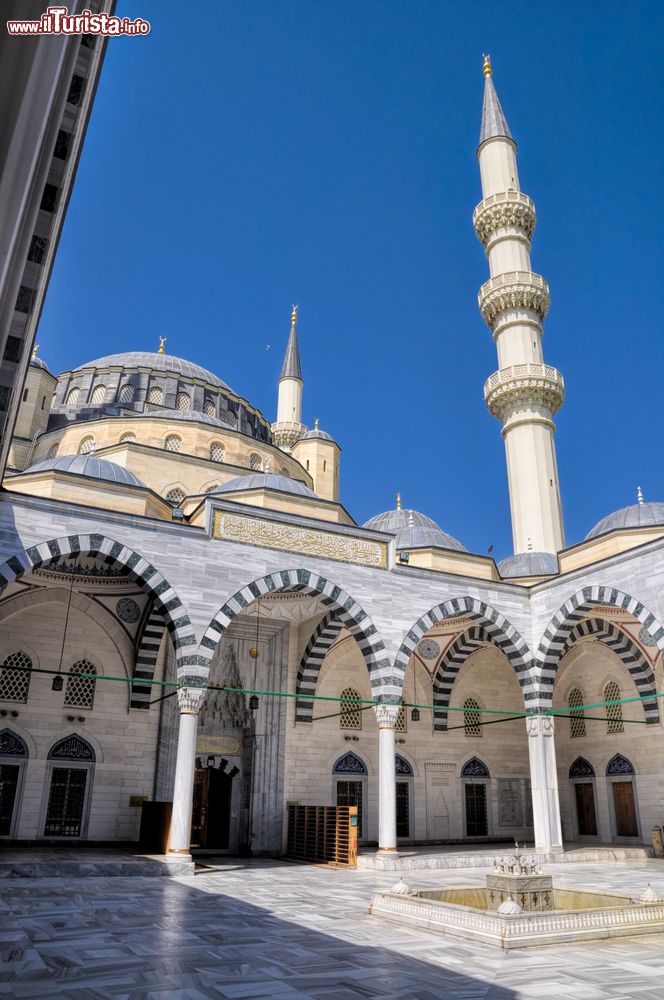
(165, 363)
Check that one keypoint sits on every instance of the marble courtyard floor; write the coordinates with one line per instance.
(273, 929)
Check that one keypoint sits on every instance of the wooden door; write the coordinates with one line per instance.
(476, 814)
(585, 809)
(625, 809)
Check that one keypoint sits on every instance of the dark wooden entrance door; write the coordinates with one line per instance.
(403, 805)
(211, 814)
(476, 814)
(625, 809)
(8, 787)
(349, 793)
(585, 809)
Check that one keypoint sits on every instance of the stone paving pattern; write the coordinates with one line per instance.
(273, 929)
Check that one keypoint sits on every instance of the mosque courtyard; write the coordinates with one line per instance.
(243, 929)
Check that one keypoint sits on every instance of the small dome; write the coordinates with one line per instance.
(266, 481)
(165, 363)
(38, 363)
(88, 465)
(192, 415)
(528, 564)
(316, 433)
(638, 515)
(414, 530)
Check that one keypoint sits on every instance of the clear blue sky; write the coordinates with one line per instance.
(324, 153)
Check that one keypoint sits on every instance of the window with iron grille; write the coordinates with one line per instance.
(209, 408)
(183, 401)
(15, 674)
(127, 438)
(577, 723)
(126, 394)
(173, 443)
(37, 249)
(614, 713)
(86, 446)
(98, 394)
(64, 815)
(471, 717)
(155, 395)
(401, 725)
(211, 489)
(217, 452)
(231, 418)
(52, 451)
(255, 462)
(350, 715)
(176, 496)
(72, 398)
(80, 691)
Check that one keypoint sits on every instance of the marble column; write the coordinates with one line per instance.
(387, 785)
(544, 783)
(190, 700)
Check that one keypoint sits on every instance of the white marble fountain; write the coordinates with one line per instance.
(519, 907)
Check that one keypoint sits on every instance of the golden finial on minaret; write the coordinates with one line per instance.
(293, 316)
(487, 65)
(398, 501)
(316, 424)
(34, 351)
(162, 341)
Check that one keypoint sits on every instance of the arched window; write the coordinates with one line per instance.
(231, 418)
(176, 496)
(211, 489)
(126, 394)
(350, 763)
(127, 438)
(581, 768)
(52, 451)
(401, 724)
(216, 451)
(155, 395)
(80, 691)
(98, 394)
(614, 713)
(87, 445)
(72, 396)
(15, 674)
(471, 718)
(173, 443)
(13, 759)
(255, 462)
(350, 716)
(71, 761)
(619, 765)
(577, 722)
(183, 401)
(475, 768)
(209, 408)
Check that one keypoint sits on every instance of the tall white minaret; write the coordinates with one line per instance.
(289, 427)
(524, 393)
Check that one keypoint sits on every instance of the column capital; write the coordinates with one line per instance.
(540, 725)
(386, 715)
(191, 699)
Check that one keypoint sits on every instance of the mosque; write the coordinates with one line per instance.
(162, 541)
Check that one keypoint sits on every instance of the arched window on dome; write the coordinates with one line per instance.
(155, 395)
(175, 496)
(231, 418)
(211, 489)
(577, 722)
(127, 438)
(255, 462)
(72, 396)
(614, 713)
(217, 451)
(126, 393)
(15, 674)
(98, 395)
(173, 443)
(52, 451)
(87, 445)
(80, 691)
(183, 401)
(350, 715)
(209, 407)
(471, 718)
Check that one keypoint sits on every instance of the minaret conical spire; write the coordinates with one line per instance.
(494, 122)
(291, 367)
(288, 427)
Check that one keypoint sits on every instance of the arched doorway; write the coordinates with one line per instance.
(622, 798)
(71, 764)
(404, 777)
(211, 812)
(582, 780)
(13, 759)
(476, 782)
(350, 779)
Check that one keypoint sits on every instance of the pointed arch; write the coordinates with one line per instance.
(139, 569)
(351, 615)
(581, 768)
(450, 664)
(147, 651)
(500, 632)
(324, 636)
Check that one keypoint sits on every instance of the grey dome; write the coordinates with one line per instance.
(266, 481)
(38, 363)
(165, 363)
(637, 515)
(528, 564)
(193, 415)
(321, 435)
(414, 530)
(88, 465)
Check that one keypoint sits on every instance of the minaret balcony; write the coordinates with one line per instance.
(513, 290)
(287, 433)
(528, 386)
(505, 210)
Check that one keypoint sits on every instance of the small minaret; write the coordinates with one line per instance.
(289, 427)
(524, 394)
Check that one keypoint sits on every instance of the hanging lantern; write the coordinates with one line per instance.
(57, 682)
(253, 703)
(415, 715)
(253, 653)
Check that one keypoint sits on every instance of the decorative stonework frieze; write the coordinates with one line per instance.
(285, 435)
(513, 290)
(290, 538)
(506, 210)
(524, 386)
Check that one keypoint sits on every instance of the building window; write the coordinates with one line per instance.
(216, 451)
(614, 713)
(43, 402)
(255, 462)
(76, 88)
(52, 451)
(211, 489)
(25, 395)
(126, 394)
(183, 401)
(401, 725)
(25, 299)
(471, 718)
(173, 443)
(231, 418)
(86, 446)
(577, 722)
(156, 395)
(80, 692)
(62, 144)
(65, 811)
(13, 758)
(175, 496)
(127, 438)
(72, 398)
(12, 349)
(49, 198)
(98, 394)
(209, 408)
(15, 674)
(37, 249)
(350, 716)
